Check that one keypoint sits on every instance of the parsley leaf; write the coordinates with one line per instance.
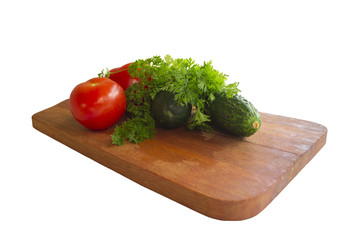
(191, 83)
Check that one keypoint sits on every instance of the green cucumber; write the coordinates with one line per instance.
(168, 113)
(236, 115)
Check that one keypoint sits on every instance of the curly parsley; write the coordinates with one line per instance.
(191, 83)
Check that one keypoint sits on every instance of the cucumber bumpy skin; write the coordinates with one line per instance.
(236, 115)
(167, 113)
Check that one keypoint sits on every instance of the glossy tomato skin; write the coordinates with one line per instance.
(122, 76)
(98, 103)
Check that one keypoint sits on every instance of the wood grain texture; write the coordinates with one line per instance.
(218, 175)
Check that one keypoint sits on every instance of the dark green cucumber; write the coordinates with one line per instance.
(236, 115)
(168, 113)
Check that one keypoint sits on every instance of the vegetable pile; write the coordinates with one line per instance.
(161, 92)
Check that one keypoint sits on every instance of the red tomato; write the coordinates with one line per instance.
(98, 103)
(122, 76)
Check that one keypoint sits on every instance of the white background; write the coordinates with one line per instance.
(293, 58)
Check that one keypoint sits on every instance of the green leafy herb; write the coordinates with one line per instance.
(134, 130)
(190, 82)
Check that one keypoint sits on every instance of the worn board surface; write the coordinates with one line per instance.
(218, 175)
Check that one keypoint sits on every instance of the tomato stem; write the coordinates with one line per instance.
(117, 71)
(107, 73)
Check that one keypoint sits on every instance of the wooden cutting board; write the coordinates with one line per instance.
(218, 175)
